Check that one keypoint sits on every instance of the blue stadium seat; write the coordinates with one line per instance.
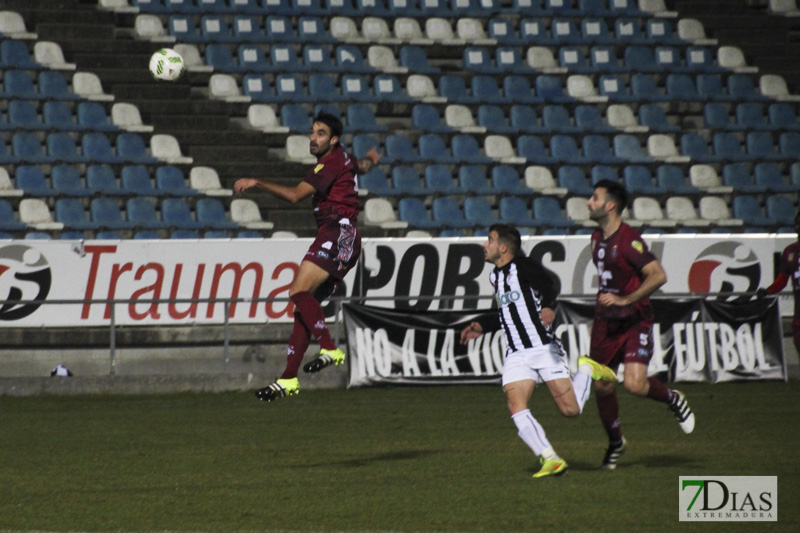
(598, 149)
(478, 210)
(279, 29)
(318, 58)
(494, 120)
(439, 180)
(717, 117)
(93, 117)
(673, 179)
(311, 29)
(363, 142)
(781, 210)
(700, 59)
(14, 54)
(532, 148)
(509, 60)
(101, 179)
(594, 30)
(259, 89)
(739, 177)
(221, 58)
(282, 58)
(574, 180)
(504, 32)
(638, 180)
(19, 84)
(106, 214)
(32, 181)
(519, 90)
(514, 210)
(8, 218)
(486, 90)
(659, 30)
(151, 6)
(401, 149)
(71, 213)
(66, 181)
(183, 6)
(246, 29)
(408, 182)
(770, 176)
(761, 145)
(211, 213)
(61, 147)
(447, 211)
(178, 214)
(372, 7)
(604, 59)
(142, 214)
(425, 117)
(387, 88)
(565, 31)
(356, 89)
(321, 87)
(742, 87)
(669, 60)
(473, 179)
(53, 86)
(628, 31)
(413, 211)
(783, 116)
(533, 31)
(466, 150)
(789, 144)
(454, 88)
(295, 117)
(564, 148)
(361, 118)
(350, 59)
(433, 148)
(7, 158)
(549, 88)
(524, 120)
(376, 183)
(694, 146)
(711, 88)
(654, 117)
(589, 119)
(748, 209)
(280, 7)
(309, 7)
(574, 60)
(477, 59)
(506, 180)
(415, 60)
(556, 119)
(23, 115)
(131, 148)
(645, 88)
(184, 29)
(28, 148)
(290, 88)
(136, 179)
(548, 212)
(615, 89)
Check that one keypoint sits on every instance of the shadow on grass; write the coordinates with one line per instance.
(377, 458)
(654, 461)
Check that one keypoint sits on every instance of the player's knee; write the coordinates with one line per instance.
(636, 388)
(603, 388)
(570, 410)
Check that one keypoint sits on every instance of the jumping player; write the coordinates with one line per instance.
(789, 269)
(622, 333)
(332, 183)
(526, 294)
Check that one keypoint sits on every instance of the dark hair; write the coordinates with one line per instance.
(508, 235)
(332, 121)
(616, 191)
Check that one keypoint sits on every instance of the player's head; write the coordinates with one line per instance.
(502, 244)
(608, 196)
(325, 133)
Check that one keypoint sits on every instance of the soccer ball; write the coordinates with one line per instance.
(166, 64)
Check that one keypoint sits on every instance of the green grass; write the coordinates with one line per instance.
(387, 459)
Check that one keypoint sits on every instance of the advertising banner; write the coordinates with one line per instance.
(402, 274)
(694, 340)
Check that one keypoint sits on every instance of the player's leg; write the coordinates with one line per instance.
(604, 349)
(638, 352)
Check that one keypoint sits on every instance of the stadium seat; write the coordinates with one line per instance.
(30, 179)
(478, 210)
(53, 86)
(136, 179)
(131, 149)
(648, 211)
(473, 180)
(564, 148)
(101, 179)
(748, 209)
(638, 180)
(35, 213)
(769, 175)
(400, 148)
(414, 212)
(573, 179)
(447, 211)
(465, 148)
(781, 210)
(547, 211)
(61, 147)
(407, 182)
(738, 176)
(439, 180)
(532, 148)
(211, 213)
(681, 210)
(93, 117)
(654, 117)
(177, 213)
(28, 148)
(23, 115)
(245, 212)
(379, 212)
(71, 213)
(506, 180)
(514, 210)
(66, 181)
(106, 214)
(672, 178)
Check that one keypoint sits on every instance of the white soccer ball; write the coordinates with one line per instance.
(166, 64)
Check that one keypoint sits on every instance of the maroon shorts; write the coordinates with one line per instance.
(622, 341)
(336, 249)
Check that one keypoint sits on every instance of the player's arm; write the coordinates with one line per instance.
(777, 286)
(545, 282)
(294, 194)
(370, 159)
(654, 277)
(476, 328)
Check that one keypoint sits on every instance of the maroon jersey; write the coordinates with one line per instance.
(619, 260)
(790, 267)
(334, 179)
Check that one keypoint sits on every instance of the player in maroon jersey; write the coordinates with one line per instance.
(334, 190)
(789, 269)
(622, 332)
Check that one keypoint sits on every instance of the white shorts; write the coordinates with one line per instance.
(544, 363)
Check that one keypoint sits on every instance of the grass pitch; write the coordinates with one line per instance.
(385, 459)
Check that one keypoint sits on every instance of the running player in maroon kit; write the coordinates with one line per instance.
(789, 269)
(332, 182)
(622, 332)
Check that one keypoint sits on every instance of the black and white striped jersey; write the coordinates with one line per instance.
(522, 288)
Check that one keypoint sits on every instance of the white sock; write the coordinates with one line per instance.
(532, 433)
(582, 385)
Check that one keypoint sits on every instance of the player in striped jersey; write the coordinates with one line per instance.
(526, 294)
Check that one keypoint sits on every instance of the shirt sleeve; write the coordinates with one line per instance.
(636, 252)
(490, 321)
